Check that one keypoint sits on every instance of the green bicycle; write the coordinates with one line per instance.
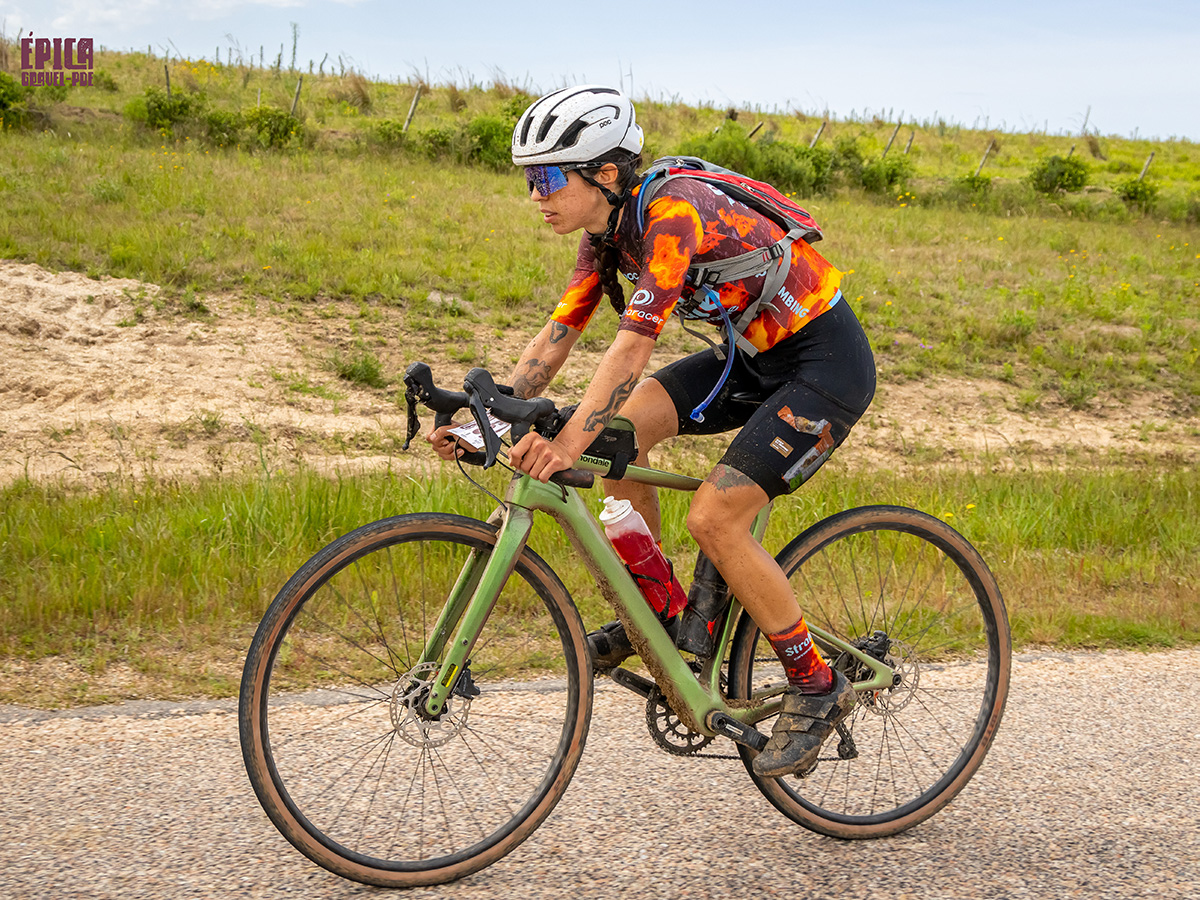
(417, 696)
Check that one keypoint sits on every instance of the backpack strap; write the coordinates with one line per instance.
(733, 268)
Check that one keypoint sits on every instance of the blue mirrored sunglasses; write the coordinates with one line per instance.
(548, 179)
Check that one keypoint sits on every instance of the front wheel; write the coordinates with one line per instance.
(337, 743)
(907, 589)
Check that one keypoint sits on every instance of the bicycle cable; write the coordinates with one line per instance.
(467, 475)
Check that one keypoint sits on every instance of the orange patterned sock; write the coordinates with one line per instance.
(801, 660)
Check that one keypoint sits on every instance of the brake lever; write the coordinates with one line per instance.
(491, 440)
(414, 424)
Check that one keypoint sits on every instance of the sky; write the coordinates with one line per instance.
(1123, 69)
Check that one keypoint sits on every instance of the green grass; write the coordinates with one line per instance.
(1063, 306)
(1085, 559)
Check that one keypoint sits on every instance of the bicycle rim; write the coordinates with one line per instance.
(909, 589)
(342, 761)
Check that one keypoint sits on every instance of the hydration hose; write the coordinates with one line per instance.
(697, 414)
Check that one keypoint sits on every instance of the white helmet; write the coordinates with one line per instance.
(575, 125)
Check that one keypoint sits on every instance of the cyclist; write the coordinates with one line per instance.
(794, 400)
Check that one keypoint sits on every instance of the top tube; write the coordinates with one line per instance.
(640, 474)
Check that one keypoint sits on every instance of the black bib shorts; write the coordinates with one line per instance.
(794, 403)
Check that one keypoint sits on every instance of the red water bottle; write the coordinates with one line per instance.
(637, 548)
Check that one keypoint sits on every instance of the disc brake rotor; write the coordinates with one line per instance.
(409, 717)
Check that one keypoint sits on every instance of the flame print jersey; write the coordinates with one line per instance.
(688, 223)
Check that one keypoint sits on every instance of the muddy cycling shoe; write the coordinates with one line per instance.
(804, 723)
(609, 644)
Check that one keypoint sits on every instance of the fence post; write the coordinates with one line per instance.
(892, 138)
(296, 99)
(817, 136)
(1071, 152)
(754, 131)
(411, 110)
(986, 154)
(1146, 167)
(908, 146)
(167, 72)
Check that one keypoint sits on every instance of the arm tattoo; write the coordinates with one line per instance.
(725, 478)
(601, 417)
(558, 331)
(531, 379)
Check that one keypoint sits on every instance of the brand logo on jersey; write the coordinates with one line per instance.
(790, 302)
(641, 298)
(643, 315)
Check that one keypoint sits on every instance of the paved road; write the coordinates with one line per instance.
(1092, 790)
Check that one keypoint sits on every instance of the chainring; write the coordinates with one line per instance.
(670, 733)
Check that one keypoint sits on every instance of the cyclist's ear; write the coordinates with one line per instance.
(607, 176)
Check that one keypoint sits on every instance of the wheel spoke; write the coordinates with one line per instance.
(910, 591)
(422, 799)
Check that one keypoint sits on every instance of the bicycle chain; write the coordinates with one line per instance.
(661, 721)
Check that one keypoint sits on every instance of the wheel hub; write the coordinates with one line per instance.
(412, 721)
(905, 680)
(905, 667)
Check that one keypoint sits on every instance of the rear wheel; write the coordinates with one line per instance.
(335, 739)
(910, 590)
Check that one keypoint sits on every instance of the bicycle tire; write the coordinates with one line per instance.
(919, 582)
(340, 761)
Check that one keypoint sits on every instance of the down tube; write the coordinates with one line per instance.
(596, 551)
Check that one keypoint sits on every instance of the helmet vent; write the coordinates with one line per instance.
(571, 135)
(547, 124)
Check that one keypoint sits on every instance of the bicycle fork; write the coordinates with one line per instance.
(470, 603)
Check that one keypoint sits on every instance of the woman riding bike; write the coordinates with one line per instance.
(794, 400)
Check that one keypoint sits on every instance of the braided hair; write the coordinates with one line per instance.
(606, 252)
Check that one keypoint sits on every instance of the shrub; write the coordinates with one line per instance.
(1141, 194)
(53, 93)
(1058, 174)
(791, 167)
(12, 101)
(389, 132)
(515, 105)
(728, 146)
(160, 112)
(433, 143)
(273, 128)
(848, 160)
(105, 81)
(788, 167)
(489, 142)
(881, 176)
(223, 128)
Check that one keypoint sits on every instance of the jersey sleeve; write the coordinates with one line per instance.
(583, 294)
(673, 234)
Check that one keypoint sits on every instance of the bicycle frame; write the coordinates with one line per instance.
(484, 575)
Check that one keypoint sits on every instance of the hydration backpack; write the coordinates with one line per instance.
(760, 197)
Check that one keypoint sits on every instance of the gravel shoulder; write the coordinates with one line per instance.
(1089, 790)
